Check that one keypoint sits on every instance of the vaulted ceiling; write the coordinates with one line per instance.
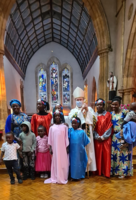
(34, 23)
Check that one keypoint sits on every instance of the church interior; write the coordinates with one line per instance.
(48, 48)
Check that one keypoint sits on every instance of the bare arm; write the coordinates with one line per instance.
(1, 156)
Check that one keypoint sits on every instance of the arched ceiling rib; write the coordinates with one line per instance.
(34, 23)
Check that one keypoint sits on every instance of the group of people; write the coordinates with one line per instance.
(101, 142)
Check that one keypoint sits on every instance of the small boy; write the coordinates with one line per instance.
(9, 148)
(28, 153)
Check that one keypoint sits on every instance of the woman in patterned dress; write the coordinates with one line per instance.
(14, 121)
(120, 155)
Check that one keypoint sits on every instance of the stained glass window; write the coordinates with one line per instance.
(66, 87)
(42, 85)
(54, 78)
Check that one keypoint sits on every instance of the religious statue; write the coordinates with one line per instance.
(112, 85)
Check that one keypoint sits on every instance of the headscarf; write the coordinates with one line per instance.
(15, 101)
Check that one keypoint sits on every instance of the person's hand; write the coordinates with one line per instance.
(1, 161)
(20, 154)
(123, 146)
(99, 139)
(85, 107)
(121, 133)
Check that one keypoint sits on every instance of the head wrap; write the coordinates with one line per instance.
(100, 101)
(15, 101)
(78, 92)
(45, 103)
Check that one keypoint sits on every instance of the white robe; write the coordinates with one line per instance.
(90, 147)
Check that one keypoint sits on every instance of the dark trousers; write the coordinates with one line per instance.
(12, 165)
(28, 161)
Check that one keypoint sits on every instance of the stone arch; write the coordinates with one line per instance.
(98, 16)
(129, 75)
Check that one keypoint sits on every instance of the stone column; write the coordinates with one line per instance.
(3, 103)
(127, 95)
(103, 75)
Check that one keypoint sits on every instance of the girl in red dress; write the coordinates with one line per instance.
(102, 139)
(42, 117)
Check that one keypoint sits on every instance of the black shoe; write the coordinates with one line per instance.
(12, 182)
(24, 177)
(26, 172)
(20, 181)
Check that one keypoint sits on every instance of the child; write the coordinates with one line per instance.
(10, 148)
(78, 157)
(28, 153)
(43, 157)
(60, 108)
(58, 141)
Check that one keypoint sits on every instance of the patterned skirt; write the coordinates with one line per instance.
(121, 159)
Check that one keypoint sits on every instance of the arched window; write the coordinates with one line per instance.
(42, 84)
(54, 80)
(66, 87)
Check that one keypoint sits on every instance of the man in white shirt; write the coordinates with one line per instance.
(9, 148)
(85, 114)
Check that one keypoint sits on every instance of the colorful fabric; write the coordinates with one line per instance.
(87, 120)
(14, 122)
(58, 140)
(37, 120)
(15, 101)
(78, 157)
(120, 158)
(103, 148)
(94, 122)
(118, 119)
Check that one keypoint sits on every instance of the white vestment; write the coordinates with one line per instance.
(112, 83)
(90, 147)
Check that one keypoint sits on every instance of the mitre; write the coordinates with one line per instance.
(78, 92)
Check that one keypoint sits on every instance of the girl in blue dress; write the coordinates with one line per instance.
(78, 157)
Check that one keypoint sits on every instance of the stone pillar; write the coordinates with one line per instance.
(127, 95)
(103, 75)
(3, 103)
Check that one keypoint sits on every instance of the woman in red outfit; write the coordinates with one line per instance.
(42, 117)
(102, 142)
